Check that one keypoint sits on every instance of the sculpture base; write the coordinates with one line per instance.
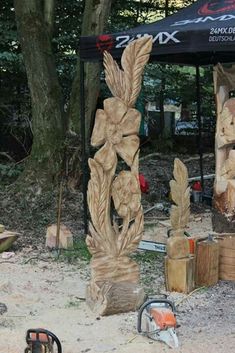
(179, 274)
(108, 298)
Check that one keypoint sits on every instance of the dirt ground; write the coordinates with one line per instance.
(39, 290)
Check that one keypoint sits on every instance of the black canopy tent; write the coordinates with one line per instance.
(201, 34)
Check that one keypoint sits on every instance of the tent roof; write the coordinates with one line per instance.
(202, 33)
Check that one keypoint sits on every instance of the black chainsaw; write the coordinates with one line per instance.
(42, 341)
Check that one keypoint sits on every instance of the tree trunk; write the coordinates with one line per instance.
(48, 121)
(95, 16)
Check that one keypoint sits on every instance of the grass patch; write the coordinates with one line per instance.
(79, 251)
(73, 304)
(147, 256)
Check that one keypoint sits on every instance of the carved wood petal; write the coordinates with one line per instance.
(128, 148)
(106, 156)
(126, 194)
(115, 109)
(98, 134)
(131, 122)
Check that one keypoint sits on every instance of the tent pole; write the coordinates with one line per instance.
(83, 142)
(198, 96)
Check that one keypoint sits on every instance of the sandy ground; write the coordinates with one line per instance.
(50, 294)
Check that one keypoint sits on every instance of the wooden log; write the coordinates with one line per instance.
(110, 298)
(207, 263)
(227, 257)
(179, 274)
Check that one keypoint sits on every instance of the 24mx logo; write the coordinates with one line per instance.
(216, 7)
(161, 38)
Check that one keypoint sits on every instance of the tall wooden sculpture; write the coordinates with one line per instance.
(179, 265)
(114, 276)
(224, 187)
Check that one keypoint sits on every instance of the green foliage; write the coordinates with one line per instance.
(14, 98)
(146, 256)
(75, 304)
(79, 251)
(9, 172)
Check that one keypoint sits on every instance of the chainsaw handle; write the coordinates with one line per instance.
(166, 301)
(46, 332)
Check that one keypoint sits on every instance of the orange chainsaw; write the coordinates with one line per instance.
(160, 321)
(41, 341)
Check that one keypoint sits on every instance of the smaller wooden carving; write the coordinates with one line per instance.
(114, 275)
(224, 187)
(178, 245)
(179, 265)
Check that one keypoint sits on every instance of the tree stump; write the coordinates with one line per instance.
(227, 257)
(207, 263)
(107, 298)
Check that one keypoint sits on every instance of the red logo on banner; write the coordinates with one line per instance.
(217, 7)
(104, 42)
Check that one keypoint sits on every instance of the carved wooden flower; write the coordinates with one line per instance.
(126, 194)
(116, 126)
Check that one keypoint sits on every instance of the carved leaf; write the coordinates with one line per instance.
(180, 193)
(180, 173)
(94, 241)
(134, 58)
(131, 239)
(114, 76)
(98, 202)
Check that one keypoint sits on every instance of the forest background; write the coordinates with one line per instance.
(40, 140)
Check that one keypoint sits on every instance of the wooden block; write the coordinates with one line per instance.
(227, 257)
(178, 247)
(65, 238)
(207, 263)
(179, 274)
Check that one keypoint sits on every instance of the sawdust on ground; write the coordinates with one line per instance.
(41, 292)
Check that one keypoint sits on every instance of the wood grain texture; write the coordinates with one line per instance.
(227, 257)
(207, 263)
(177, 244)
(224, 186)
(126, 83)
(113, 298)
(179, 274)
(115, 133)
